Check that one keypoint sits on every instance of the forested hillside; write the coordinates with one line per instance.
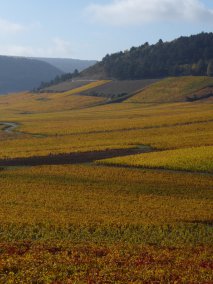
(184, 56)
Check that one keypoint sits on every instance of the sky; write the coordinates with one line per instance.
(90, 29)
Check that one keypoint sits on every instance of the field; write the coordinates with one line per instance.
(134, 217)
(65, 86)
(188, 159)
(119, 89)
(176, 90)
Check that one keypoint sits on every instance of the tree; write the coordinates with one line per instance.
(201, 65)
(75, 73)
(210, 69)
(199, 68)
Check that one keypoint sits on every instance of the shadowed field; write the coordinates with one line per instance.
(72, 158)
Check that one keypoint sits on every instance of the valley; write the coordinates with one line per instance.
(99, 192)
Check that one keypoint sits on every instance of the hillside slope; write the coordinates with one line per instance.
(21, 74)
(176, 89)
(90, 94)
(113, 89)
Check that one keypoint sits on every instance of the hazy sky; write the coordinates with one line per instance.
(89, 29)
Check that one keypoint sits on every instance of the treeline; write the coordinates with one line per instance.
(57, 80)
(181, 57)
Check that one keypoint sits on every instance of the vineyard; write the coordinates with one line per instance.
(127, 197)
(188, 159)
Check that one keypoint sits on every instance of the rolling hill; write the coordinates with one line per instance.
(168, 90)
(80, 95)
(23, 74)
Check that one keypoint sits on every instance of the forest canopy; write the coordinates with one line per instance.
(184, 56)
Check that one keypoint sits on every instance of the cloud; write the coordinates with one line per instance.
(137, 12)
(57, 48)
(10, 27)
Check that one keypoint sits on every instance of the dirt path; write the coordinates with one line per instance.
(72, 158)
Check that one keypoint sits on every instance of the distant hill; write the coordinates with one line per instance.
(181, 57)
(21, 74)
(68, 65)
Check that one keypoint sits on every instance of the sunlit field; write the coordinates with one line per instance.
(188, 159)
(174, 90)
(112, 126)
(142, 218)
